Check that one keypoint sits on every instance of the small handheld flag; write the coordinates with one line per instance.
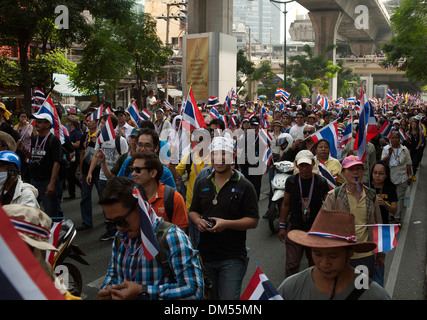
(260, 288)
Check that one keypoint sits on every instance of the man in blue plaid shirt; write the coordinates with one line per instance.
(130, 275)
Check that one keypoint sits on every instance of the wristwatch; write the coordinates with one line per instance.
(144, 293)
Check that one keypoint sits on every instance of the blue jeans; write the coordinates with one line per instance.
(86, 200)
(51, 204)
(227, 277)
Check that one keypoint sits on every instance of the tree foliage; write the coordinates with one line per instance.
(409, 40)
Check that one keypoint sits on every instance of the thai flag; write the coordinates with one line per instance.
(147, 218)
(107, 132)
(325, 103)
(306, 100)
(97, 114)
(49, 108)
(260, 288)
(233, 120)
(227, 103)
(371, 123)
(134, 113)
(360, 141)
(351, 100)
(53, 240)
(224, 119)
(264, 137)
(391, 96)
(145, 114)
(402, 135)
(21, 276)
(168, 105)
(267, 156)
(330, 133)
(386, 129)
(213, 101)
(347, 135)
(192, 117)
(214, 113)
(325, 173)
(233, 94)
(37, 99)
(264, 115)
(385, 236)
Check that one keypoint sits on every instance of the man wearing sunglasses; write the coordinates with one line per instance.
(130, 274)
(146, 171)
(306, 143)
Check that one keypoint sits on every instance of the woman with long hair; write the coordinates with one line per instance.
(415, 140)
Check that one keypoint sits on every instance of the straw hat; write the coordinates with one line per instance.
(32, 224)
(331, 229)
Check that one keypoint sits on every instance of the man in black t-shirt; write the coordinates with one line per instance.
(45, 154)
(304, 195)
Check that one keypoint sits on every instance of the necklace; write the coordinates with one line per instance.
(306, 207)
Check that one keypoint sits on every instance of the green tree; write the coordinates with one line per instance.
(26, 21)
(265, 74)
(347, 80)
(409, 40)
(313, 73)
(244, 67)
(138, 35)
(104, 60)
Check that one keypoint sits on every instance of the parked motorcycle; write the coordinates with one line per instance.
(67, 249)
(284, 169)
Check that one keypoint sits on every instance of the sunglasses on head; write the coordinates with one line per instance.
(138, 169)
(120, 222)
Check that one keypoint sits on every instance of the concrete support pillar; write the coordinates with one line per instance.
(210, 16)
(325, 26)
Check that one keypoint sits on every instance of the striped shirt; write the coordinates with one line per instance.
(129, 264)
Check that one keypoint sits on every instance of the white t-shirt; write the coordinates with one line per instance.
(151, 100)
(111, 153)
(297, 132)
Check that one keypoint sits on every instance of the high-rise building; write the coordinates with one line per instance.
(261, 16)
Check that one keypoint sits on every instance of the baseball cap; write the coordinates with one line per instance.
(351, 161)
(304, 156)
(254, 120)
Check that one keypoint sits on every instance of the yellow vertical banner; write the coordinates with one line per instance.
(198, 67)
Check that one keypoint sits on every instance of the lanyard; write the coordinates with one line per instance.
(195, 167)
(38, 148)
(310, 194)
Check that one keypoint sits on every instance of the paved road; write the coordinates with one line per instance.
(405, 277)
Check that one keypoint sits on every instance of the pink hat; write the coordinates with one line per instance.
(351, 161)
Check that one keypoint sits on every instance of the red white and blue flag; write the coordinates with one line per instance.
(280, 92)
(386, 129)
(145, 114)
(360, 142)
(267, 156)
(37, 99)
(347, 135)
(233, 94)
(385, 236)
(21, 276)
(192, 117)
(213, 101)
(325, 173)
(49, 108)
(147, 217)
(227, 103)
(96, 114)
(107, 133)
(53, 240)
(134, 113)
(168, 105)
(391, 96)
(330, 133)
(214, 113)
(260, 288)
(371, 123)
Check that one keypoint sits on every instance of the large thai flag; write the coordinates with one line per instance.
(134, 113)
(371, 123)
(325, 173)
(147, 217)
(360, 141)
(107, 132)
(330, 133)
(386, 129)
(49, 108)
(391, 96)
(21, 276)
(264, 137)
(385, 236)
(192, 117)
(260, 288)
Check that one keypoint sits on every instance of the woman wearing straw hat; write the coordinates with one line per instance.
(332, 241)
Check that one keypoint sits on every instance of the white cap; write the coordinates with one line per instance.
(304, 156)
(222, 144)
(42, 116)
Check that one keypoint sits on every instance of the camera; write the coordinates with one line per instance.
(210, 222)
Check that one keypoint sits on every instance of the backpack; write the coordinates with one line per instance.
(162, 259)
(168, 201)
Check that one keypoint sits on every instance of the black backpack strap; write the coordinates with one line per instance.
(118, 147)
(162, 256)
(168, 201)
(356, 293)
